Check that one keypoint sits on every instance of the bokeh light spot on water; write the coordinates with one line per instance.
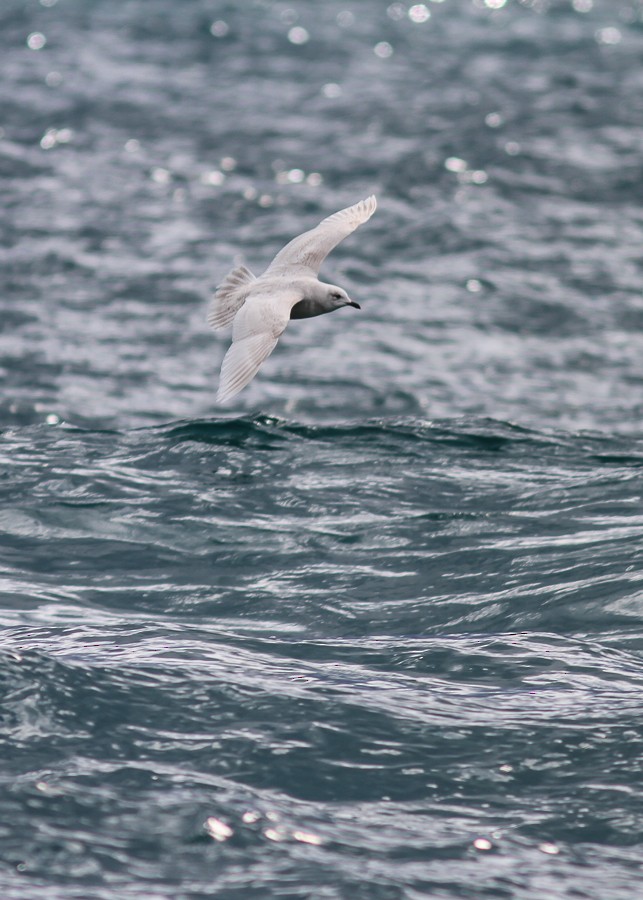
(218, 829)
(419, 13)
(290, 176)
(275, 834)
(219, 29)
(582, 6)
(48, 140)
(54, 136)
(493, 120)
(609, 35)
(298, 35)
(52, 419)
(132, 146)
(482, 844)
(455, 164)
(314, 179)
(474, 285)
(36, 40)
(549, 848)
(250, 817)
(332, 90)
(383, 49)
(159, 175)
(512, 148)
(494, 4)
(213, 177)
(228, 164)
(396, 11)
(307, 837)
(266, 200)
(44, 786)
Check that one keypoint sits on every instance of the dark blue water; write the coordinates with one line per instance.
(375, 629)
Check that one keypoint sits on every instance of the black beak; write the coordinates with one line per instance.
(352, 303)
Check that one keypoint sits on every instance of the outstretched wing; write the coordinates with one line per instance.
(255, 332)
(241, 363)
(309, 250)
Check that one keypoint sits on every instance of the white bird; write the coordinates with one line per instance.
(259, 308)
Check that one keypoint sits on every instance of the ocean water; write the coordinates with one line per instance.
(373, 630)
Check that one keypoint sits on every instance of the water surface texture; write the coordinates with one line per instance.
(374, 629)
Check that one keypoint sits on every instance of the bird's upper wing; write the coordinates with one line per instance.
(255, 333)
(309, 250)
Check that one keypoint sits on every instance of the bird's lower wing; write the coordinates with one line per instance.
(310, 249)
(241, 363)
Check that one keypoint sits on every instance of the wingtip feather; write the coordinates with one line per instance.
(370, 205)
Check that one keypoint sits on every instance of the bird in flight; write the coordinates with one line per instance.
(260, 308)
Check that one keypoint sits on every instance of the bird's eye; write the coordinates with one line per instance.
(336, 295)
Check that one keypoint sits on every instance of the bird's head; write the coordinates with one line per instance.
(337, 297)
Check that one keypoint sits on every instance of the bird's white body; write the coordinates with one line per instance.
(260, 308)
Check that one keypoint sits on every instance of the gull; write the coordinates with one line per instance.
(260, 308)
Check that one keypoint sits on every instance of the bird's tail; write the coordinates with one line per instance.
(229, 297)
